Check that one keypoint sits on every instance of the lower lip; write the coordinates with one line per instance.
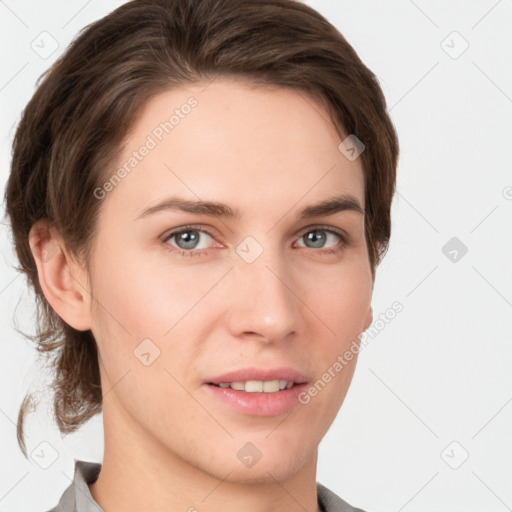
(259, 403)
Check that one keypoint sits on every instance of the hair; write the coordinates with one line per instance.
(74, 126)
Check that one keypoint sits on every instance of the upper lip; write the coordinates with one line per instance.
(263, 374)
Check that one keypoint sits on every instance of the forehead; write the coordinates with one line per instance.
(233, 142)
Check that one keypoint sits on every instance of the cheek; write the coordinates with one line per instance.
(146, 297)
(151, 313)
(340, 297)
(341, 300)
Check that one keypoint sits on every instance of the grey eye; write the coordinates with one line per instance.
(188, 239)
(316, 238)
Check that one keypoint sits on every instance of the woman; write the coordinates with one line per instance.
(200, 195)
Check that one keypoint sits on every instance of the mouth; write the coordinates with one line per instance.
(256, 379)
(257, 386)
(257, 391)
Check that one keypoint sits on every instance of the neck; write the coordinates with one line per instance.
(148, 476)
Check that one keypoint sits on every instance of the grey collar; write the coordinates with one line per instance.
(77, 497)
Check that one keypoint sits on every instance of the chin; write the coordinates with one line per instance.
(264, 473)
(272, 465)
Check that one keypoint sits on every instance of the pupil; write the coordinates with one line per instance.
(189, 240)
(317, 240)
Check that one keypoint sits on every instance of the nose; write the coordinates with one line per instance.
(264, 303)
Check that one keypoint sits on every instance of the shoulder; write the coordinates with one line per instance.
(66, 502)
(331, 502)
(77, 497)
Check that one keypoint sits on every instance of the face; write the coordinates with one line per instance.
(255, 291)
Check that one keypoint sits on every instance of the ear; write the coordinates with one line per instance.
(62, 280)
(369, 318)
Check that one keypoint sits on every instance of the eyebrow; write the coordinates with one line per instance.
(330, 206)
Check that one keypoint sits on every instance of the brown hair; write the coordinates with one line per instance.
(73, 128)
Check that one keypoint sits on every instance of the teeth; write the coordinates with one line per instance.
(270, 386)
(254, 386)
(258, 386)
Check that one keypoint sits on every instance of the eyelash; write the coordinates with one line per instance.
(345, 240)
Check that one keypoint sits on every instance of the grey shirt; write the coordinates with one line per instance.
(77, 497)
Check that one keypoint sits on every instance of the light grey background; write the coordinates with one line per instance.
(434, 385)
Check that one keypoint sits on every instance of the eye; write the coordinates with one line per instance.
(192, 241)
(319, 236)
(189, 240)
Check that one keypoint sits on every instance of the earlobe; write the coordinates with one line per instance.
(60, 277)
(369, 318)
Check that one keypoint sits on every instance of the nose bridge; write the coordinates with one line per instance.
(263, 301)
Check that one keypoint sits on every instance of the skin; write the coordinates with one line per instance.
(168, 444)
